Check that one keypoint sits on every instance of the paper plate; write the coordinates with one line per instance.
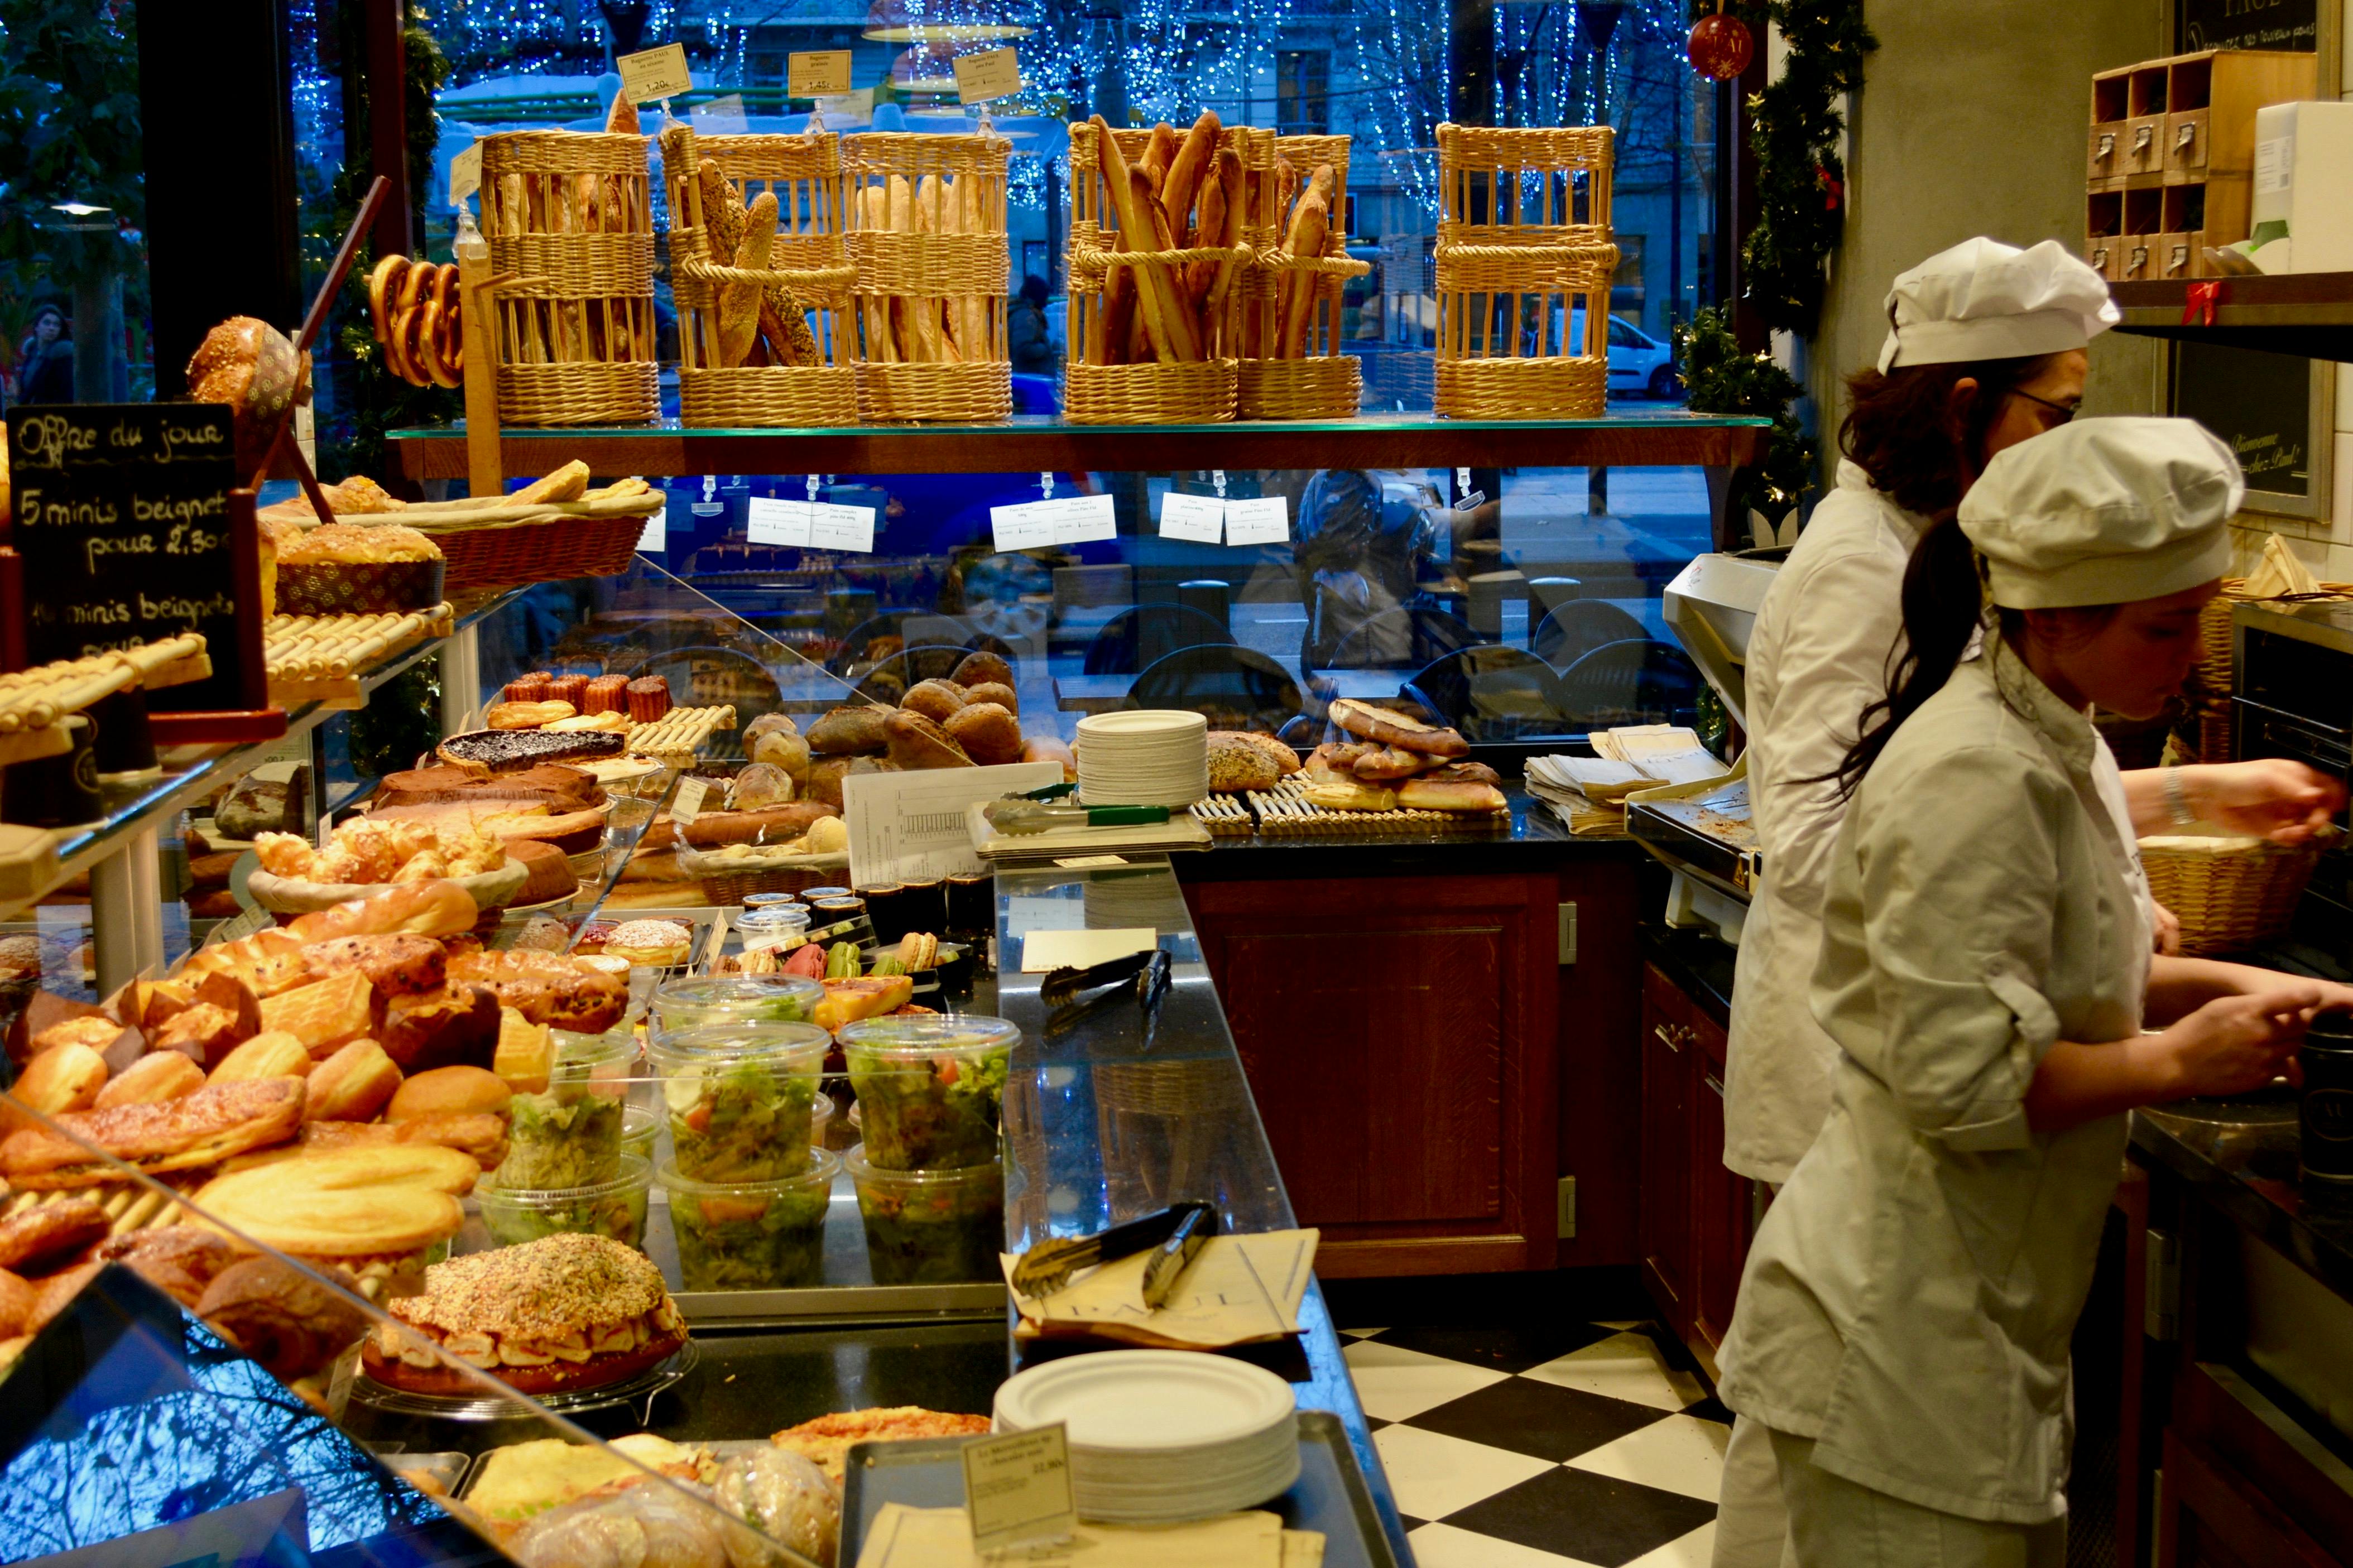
(1148, 1402)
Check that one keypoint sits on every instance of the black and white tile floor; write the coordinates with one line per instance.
(1582, 1446)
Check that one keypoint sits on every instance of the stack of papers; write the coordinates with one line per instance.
(1589, 794)
(1241, 1289)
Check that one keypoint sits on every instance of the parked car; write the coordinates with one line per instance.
(1639, 363)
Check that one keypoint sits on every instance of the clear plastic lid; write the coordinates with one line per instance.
(733, 999)
(822, 1168)
(799, 1047)
(917, 1036)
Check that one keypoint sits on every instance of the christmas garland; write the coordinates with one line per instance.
(1722, 379)
(1793, 133)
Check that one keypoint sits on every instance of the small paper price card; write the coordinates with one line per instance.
(767, 520)
(1261, 519)
(465, 173)
(834, 526)
(1016, 1489)
(1202, 519)
(1043, 524)
(992, 73)
(817, 73)
(687, 803)
(654, 537)
(651, 74)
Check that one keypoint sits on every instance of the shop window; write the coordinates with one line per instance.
(1302, 92)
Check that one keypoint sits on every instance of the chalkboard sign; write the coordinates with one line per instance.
(2247, 24)
(2263, 405)
(125, 518)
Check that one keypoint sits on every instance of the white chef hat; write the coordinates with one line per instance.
(1985, 300)
(2105, 511)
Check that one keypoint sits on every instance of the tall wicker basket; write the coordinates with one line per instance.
(1149, 390)
(1320, 382)
(1523, 266)
(808, 276)
(568, 214)
(929, 305)
(2216, 673)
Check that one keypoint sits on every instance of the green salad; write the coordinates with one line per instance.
(740, 1120)
(757, 1239)
(931, 1227)
(566, 1137)
(614, 1208)
(929, 1112)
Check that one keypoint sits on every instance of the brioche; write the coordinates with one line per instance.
(268, 1055)
(152, 1080)
(353, 1085)
(449, 1091)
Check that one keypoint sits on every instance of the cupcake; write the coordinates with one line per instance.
(648, 699)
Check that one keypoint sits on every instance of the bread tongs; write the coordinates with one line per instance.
(1175, 1236)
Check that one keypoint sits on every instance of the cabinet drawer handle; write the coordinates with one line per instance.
(1666, 1033)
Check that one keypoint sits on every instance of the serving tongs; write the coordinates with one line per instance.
(1177, 1232)
(1061, 986)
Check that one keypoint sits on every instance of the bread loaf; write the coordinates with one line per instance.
(988, 731)
(739, 303)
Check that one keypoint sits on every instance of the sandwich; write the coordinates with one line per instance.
(373, 1209)
(524, 1479)
(556, 1315)
(825, 1441)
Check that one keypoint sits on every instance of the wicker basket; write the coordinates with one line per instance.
(1320, 382)
(2216, 662)
(809, 268)
(1148, 392)
(571, 226)
(2231, 895)
(500, 547)
(1524, 252)
(957, 281)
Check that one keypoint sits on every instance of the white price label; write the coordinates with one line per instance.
(687, 803)
(840, 527)
(654, 537)
(651, 74)
(817, 73)
(1202, 519)
(465, 173)
(1042, 524)
(770, 521)
(992, 73)
(1017, 1487)
(1264, 519)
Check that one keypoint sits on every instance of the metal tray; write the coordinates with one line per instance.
(637, 1391)
(1330, 1495)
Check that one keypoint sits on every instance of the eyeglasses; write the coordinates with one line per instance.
(2066, 411)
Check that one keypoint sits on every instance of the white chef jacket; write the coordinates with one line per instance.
(1910, 1297)
(1825, 640)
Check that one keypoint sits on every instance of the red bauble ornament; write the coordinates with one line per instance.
(1721, 47)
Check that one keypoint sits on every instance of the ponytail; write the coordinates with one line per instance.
(1944, 605)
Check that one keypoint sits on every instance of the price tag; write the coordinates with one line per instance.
(651, 74)
(992, 73)
(1202, 519)
(1017, 1487)
(1042, 524)
(654, 538)
(816, 73)
(465, 173)
(840, 527)
(687, 803)
(1263, 519)
(772, 521)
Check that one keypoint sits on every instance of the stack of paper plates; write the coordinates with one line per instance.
(1161, 1437)
(1150, 756)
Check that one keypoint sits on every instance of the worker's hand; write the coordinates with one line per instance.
(2234, 1045)
(2271, 797)
(2166, 926)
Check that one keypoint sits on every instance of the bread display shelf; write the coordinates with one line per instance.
(681, 732)
(320, 658)
(33, 702)
(1286, 812)
(129, 1207)
(1224, 815)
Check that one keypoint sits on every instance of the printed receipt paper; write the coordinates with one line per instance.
(904, 1537)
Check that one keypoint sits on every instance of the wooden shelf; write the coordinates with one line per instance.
(1027, 445)
(2304, 313)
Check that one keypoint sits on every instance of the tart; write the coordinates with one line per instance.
(655, 942)
(486, 751)
(563, 1313)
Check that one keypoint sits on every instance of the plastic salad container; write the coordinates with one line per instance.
(569, 1134)
(930, 1086)
(738, 1098)
(640, 1125)
(616, 1208)
(708, 1001)
(930, 1227)
(752, 1236)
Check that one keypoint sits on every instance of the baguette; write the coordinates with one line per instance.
(1391, 728)
(1194, 157)
(1154, 299)
(1232, 199)
(739, 303)
(1440, 794)
(1351, 797)
(769, 825)
(568, 483)
(1169, 326)
(1310, 217)
(1392, 762)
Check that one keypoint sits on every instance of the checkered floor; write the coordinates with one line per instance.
(1583, 1446)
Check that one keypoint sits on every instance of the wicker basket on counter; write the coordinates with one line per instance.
(808, 276)
(2229, 891)
(930, 306)
(488, 547)
(1524, 260)
(1320, 382)
(569, 220)
(1149, 391)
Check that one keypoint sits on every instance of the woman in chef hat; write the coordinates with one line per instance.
(1986, 348)
(1985, 972)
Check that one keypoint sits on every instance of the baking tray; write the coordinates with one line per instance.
(1704, 826)
(1330, 1495)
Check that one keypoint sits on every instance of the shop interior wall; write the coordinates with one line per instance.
(1971, 120)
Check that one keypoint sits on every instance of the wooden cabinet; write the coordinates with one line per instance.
(1694, 1213)
(1400, 1038)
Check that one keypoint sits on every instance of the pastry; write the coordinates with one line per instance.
(200, 1129)
(648, 699)
(449, 1091)
(937, 701)
(487, 752)
(271, 1055)
(519, 1480)
(787, 1496)
(20, 1309)
(523, 1312)
(257, 805)
(547, 871)
(513, 715)
(353, 1085)
(180, 1261)
(324, 1014)
(556, 989)
(62, 1078)
(869, 996)
(157, 1077)
(657, 944)
(95, 1030)
(988, 731)
(532, 688)
(604, 695)
(974, 668)
(456, 1026)
(916, 742)
(571, 688)
(526, 1053)
(611, 722)
(395, 965)
(285, 1320)
(542, 933)
(1426, 795)
(357, 569)
(827, 1440)
(482, 1138)
(50, 1235)
(550, 785)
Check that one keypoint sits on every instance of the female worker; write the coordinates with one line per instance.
(1985, 972)
(1987, 347)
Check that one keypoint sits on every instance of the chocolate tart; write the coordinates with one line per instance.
(487, 752)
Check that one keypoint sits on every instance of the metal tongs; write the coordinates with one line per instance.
(1043, 810)
(1178, 1232)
